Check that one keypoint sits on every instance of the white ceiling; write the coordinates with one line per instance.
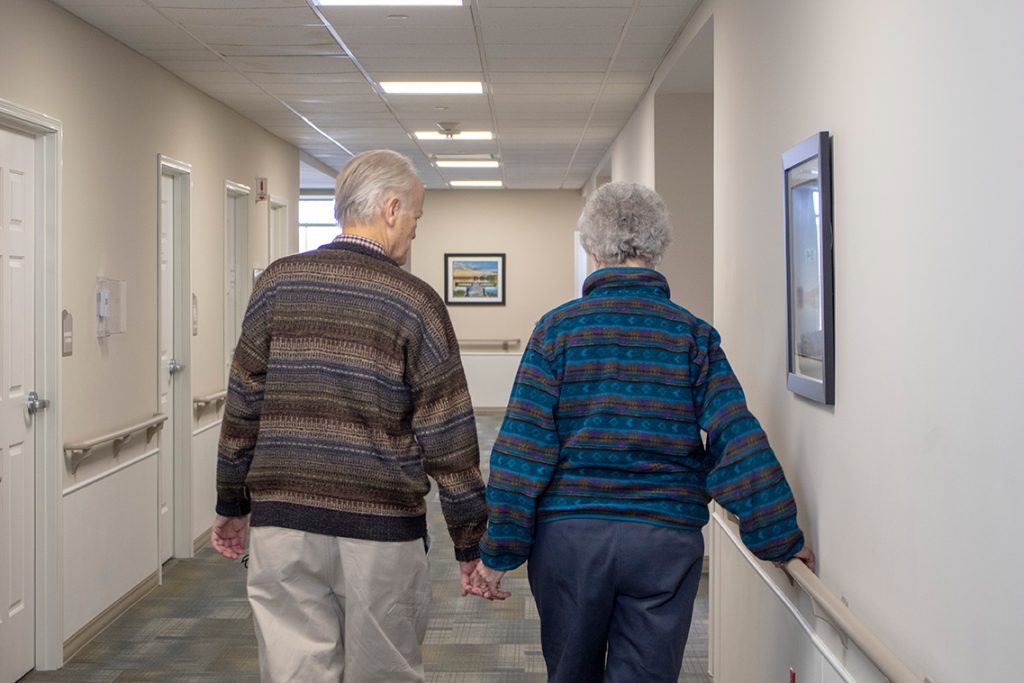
(561, 76)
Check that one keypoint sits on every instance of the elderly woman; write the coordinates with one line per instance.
(599, 477)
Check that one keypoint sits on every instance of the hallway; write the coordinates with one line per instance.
(197, 626)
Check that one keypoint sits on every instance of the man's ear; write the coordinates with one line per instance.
(391, 205)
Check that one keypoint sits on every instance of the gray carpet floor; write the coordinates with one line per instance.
(197, 627)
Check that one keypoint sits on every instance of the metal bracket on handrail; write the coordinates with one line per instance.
(506, 344)
(75, 453)
(201, 402)
(846, 622)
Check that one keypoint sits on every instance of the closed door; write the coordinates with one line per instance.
(167, 365)
(17, 363)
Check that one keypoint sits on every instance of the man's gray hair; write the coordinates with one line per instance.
(367, 180)
(624, 221)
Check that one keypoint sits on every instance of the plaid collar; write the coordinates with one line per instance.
(368, 243)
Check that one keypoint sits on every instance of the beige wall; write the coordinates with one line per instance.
(684, 160)
(535, 231)
(909, 482)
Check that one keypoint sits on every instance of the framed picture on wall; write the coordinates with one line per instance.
(807, 201)
(474, 279)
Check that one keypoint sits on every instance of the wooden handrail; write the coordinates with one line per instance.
(200, 402)
(75, 453)
(843, 618)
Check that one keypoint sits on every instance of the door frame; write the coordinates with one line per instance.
(275, 248)
(234, 191)
(49, 468)
(181, 172)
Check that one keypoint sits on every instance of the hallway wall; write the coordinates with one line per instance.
(912, 475)
(683, 161)
(119, 111)
(534, 229)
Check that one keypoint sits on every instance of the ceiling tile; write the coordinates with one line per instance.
(555, 16)
(238, 16)
(294, 65)
(264, 35)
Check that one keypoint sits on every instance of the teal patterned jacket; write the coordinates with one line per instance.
(605, 421)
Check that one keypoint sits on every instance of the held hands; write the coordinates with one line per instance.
(228, 535)
(486, 583)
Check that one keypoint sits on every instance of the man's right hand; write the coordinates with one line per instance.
(228, 535)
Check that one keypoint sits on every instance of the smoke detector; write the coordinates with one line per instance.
(449, 129)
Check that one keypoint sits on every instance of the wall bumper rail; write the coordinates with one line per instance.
(200, 402)
(75, 453)
(505, 344)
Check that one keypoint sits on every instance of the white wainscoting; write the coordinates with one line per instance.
(204, 477)
(761, 626)
(110, 538)
(490, 377)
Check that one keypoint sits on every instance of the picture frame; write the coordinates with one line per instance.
(474, 279)
(807, 206)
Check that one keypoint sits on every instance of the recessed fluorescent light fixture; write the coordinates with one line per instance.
(463, 135)
(389, 3)
(471, 163)
(432, 87)
(476, 183)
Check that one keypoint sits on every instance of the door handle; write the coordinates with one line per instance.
(174, 367)
(35, 404)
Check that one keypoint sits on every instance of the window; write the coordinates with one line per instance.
(316, 222)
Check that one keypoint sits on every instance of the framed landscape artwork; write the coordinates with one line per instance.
(474, 279)
(807, 196)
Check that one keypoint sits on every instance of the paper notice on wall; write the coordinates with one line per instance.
(111, 306)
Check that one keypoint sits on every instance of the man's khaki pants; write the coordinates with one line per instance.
(337, 609)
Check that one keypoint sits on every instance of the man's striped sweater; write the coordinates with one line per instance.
(346, 391)
(605, 422)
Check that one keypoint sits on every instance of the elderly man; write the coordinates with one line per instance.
(599, 476)
(346, 391)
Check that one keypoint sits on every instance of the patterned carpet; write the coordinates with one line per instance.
(197, 627)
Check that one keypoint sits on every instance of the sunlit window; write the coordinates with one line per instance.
(316, 222)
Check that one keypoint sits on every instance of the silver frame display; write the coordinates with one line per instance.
(807, 192)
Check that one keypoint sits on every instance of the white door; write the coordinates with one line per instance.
(17, 444)
(166, 367)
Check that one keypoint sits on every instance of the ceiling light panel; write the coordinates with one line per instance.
(467, 163)
(626, 4)
(476, 183)
(461, 136)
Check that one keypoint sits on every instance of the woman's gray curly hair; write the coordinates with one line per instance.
(623, 221)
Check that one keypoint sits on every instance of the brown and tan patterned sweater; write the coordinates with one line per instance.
(346, 391)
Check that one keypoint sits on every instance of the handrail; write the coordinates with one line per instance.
(506, 344)
(200, 402)
(75, 453)
(843, 618)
